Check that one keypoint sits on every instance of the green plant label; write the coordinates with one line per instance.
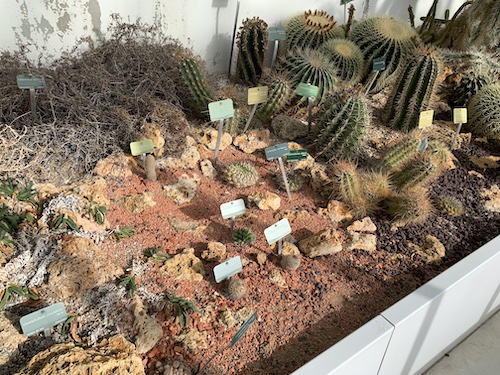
(276, 33)
(344, 2)
(276, 151)
(30, 81)
(257, 95)
(423, 145)
(244, 328)
(425, 119)
(233, 209)
(227, 269)
(297, 155)
(43, 319)
(305, 89)
(460, 115)
(141, 147)
(379, 64)
(221, 110)
(277, 231)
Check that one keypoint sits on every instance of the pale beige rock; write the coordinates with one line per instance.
(10, 338)
(228, 319)
(93, 189)
(261, 258)
(432, 249)
(182, 191)
(336, 211)
(182, 226)
(325, 242)
(115, 166)
(288, 128)
(207, 169)
(265, 200)
(289, 248)
(208, 138)
(320, 182)
(137, 203)
(193, 339)
(185, 266)
(188, 160)
(492, 195)
(277, 278)
(306, 164)
(115, 356)
(253, 140)
(293, 215)
(486, 161)
(364, 225)
(147, 328)
(152, 130)
(6, 252)
(215, 252)
(361, 241)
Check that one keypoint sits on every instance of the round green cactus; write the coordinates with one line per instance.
(347, 57)
(243, 236)
(484, 112)
(237, 289)
(450, 205)
(469, 85)
(241, 174)
(290, 262)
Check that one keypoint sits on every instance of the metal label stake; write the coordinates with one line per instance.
(460, 118)
(220, 111)
(276, 34)
(277, 152)
(378, 66)
(31, 82)
(276, 233)
(256, 95)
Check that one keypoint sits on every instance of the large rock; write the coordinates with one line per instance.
(336, 211)
(265, 200)
(215, 252)
(325, 242)
(432, 250)
(185, 266)
(137, 203)
(364, 225)
(492, 195)
(253, 140)
(115, 166)
(208, 138)
(361, 241)
(147, 328)
(188, 160)
(10, 338)
(115, 356)
(182, 191)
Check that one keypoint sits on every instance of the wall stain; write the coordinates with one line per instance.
(95, 16)
(63, 22)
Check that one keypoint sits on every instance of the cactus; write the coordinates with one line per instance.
(440, 155)
(198, 93)
(290, 262)
(347, 57)
(484, 112)
(241, 174)
(232, 124)
(376, 186)
(310, 66)
(469, 85)
(237, 289)
(413, 90)
(342, 125)
(384, 36)
(242, 236)
(401, 153)
(279, 94)
(310, 29)
(412, 206)
(450, 205)
(413, 174)
(150, 168)
(295, 182)
(252, 45)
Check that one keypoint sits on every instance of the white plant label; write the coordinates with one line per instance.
(277, 231)
(43, 319)
(233, 209)
(227, 269)
(425, 119)
(460, 115)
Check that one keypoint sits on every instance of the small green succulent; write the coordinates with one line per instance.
(243, 236)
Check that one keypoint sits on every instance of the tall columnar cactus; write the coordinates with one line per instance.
(401, 153)
(197, 92)
(484, 112)
(347, 57)
(387, 37)
(342, 125)
(252, 45)
(310, 29)
(413, 90)
(279, 94)
(413, 174)
(310, 66)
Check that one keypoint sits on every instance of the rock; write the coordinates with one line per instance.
(288, 128)
(215, 252)
(185, 266)
(261, 258)
(182, 226)
(277, 278)
(137, 203)
(492, 196)
(193, 339)
(486, 161)
(152, 130)
(336, 211)
(265, 200)
(93, 190)
(9, 336)
(320, 182)
(113, 356)
(207, 169)
(116, 166)
(253, 140)
(361, 241)
(325, 242)
(208, 138)
(6, 252)
(148, 329)
(289, 248)
(293, 215)
(230, 320)
(184, 190)
(306, 164)
(188, 160)
(364, 225)
(432, 249)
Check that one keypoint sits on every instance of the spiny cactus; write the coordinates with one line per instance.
(387, 37)
(310, 66)
(469, 85)
(347, 57)
(290, 262)
(412, 206)
(413, 174)
(484, 112)
(342, 125)
(377, 186)
(413, 90)
(252, 45)
(237, 289)
(450, 205)
(243, 236)
(232, 124)
(241, 174)
(295, 182)
(279, 94)
(198, 93)
(440, 155)
(400, 153)
(310, 29)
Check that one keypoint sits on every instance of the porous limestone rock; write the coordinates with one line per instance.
(188, 160)
(215, 252)
(253, 140)
(336, 211)
(293, 215)
(192, 339)
(289, 248)
(137, 203)
(10, 338)
(492, 195)
(93, 190)
(185, 266)
(307, 164)
(320, 182)
(147, 328)
(116, 165)
(325, 242)
(486, 161)
(182, 191)
(432, 249)
(207, 169)
(208, 138)
(277, 278)
(114, 356)
(364, 225)
(361, 241)
(152, 130)
(265, 200)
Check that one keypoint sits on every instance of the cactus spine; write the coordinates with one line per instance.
(199, 94)
(279, 94)
(347, 57)
(401, 153)
(241, 174)
(484, 112)
(252, 44)
(413, 90)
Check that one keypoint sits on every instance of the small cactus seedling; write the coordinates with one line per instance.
(290, 262)
(295, 182)
(484, 112)
(252, 45)
(347, 58)
(237, 289)
(450, 205)
(241, 174)
(243, 236)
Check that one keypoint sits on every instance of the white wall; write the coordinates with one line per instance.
(50, 27)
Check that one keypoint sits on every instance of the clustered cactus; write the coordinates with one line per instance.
(241, 174)
(279, 94)
(411, 206)
(347, 58)
(450, 205)
(252, 45)
(413, 174)
(198, 93)
(400, 153)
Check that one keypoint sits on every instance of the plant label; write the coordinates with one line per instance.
(276, 151)
(142, 147)
(423, 145)
(277, 231)
(257, 95)
(425, 119)
(276, 33)
(344, 2)
(221, 110)
(30, 81)
(43, 319)
(233, 209)
(297, 155)
(460, 115)
(379, 64)
(227, 269)
(305, 89)
(244, 328)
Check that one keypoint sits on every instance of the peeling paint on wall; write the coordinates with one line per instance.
(63, 22)
(95, 16)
